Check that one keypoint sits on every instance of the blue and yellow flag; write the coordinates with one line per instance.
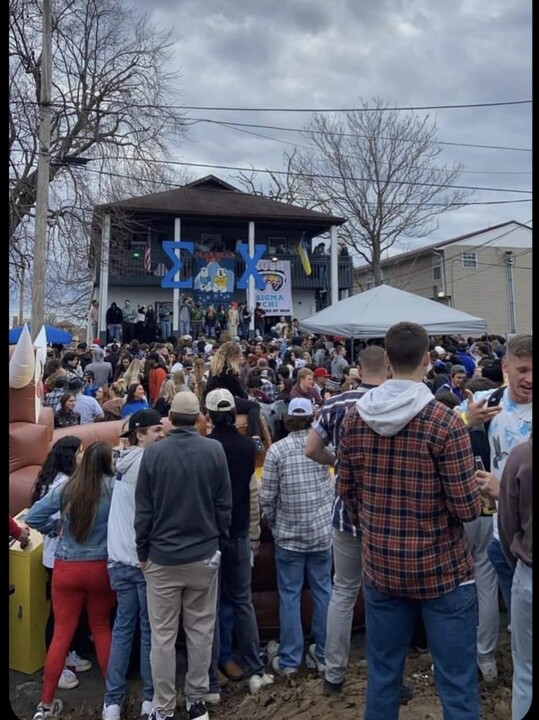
(304, 257)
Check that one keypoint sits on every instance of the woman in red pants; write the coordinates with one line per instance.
(80, 576)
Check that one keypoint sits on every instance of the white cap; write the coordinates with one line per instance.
(300, 407)
(220, 400)
(439, 349)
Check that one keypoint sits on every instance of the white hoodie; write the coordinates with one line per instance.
(388, 408)
(121, 524)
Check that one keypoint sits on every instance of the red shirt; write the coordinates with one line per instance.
(156, 377)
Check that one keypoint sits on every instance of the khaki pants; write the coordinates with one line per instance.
(191, 590)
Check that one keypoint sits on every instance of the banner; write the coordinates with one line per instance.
(214, 278)
(276, 298)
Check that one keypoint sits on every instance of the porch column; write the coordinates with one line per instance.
(251, 281)
(176, 290)
(104, 279)
(334, 265)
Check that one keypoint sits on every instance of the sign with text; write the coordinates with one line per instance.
(276, 297)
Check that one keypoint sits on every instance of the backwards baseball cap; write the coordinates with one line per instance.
(321, 372)
(300, 407)
(185, 403)
(458, 369)
(439, 349)
(220, 400)
(75, 384)
(142, 419)
(332, 386)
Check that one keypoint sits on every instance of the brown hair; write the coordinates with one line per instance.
(406, 344)
(520, 346)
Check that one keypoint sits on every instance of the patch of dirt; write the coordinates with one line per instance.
(297, 699)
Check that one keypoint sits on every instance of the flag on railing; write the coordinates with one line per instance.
(304, 257)
(148, 255)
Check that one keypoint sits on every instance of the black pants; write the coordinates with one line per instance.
(128, 332)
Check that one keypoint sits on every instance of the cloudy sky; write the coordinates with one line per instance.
(317, 54)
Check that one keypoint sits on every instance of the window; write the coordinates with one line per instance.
(437, 272)
(469, 259)
(370, 284)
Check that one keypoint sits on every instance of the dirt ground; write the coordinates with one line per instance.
(298, 699)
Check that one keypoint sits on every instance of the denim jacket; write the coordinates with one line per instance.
(95, 546)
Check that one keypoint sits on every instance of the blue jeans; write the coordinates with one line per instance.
(185, 326)
(166, 329)
(226, 630)
(130, 586)
(235, 593)
(293, 568)
(503, 571)
(522, 640)
(451, 625)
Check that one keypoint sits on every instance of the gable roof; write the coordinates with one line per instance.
(394, 259)
(210, 196)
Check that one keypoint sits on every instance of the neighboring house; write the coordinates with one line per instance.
(487, 273)
(215, 216)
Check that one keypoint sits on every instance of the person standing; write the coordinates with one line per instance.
(93, 319)
(126, 578)
(197, 319)
(246, 314)
(505, 416)
(183, 505)
(164, 320)
(185, 316)
(101, 368)
(114, 320)
(515, 523)
(260, 319)
(339, 363)
(128, 323)
(80, 577)
(150, 325)
(407, 479)
(296, 499)
(321, 446)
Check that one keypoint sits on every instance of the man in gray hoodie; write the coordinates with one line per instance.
(406, 476)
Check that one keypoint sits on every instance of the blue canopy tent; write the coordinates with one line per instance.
(53, 334)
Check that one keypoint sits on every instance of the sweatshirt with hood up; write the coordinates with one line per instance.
(406, 475)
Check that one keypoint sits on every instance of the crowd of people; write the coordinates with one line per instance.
(370, 482)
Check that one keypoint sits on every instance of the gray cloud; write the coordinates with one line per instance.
(315, 54)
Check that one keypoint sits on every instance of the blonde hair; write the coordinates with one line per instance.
(226, 359)
(133, 374)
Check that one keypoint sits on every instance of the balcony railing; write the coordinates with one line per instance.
(129, 272)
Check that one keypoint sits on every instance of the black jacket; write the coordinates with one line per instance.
(240, 452)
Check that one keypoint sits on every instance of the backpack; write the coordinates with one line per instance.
(479, 434)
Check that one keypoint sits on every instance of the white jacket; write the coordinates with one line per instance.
(121, 529)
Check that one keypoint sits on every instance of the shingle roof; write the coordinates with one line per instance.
(210, 196)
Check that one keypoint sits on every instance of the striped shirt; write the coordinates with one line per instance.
(410, 494)
(328, 425)
(296, 496)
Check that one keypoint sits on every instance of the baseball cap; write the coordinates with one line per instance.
(220, 400)
(321, 372)
(457, 369)
(353, 373)
(185, 403)
(142, 419)
(208, 348)
(440, 365)
(300, 407)
(439, 349)
(75, 384)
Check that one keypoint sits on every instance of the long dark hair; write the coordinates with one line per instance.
(61, 459)
(82, 492)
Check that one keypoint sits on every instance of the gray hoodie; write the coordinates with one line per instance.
(121, 541)
(388, 408)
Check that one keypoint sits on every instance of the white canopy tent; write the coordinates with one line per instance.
(370, 314)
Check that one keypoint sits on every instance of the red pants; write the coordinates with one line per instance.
(74, 585)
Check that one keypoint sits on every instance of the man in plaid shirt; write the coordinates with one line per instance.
(406, 476)
(296, 501)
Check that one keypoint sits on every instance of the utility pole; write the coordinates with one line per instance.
(509, 261)
(43, 164)
(21, 297)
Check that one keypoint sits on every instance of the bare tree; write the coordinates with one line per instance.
(377, 167)
(113, 102)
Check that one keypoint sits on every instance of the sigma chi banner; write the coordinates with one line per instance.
(214, 279)
(276, 297)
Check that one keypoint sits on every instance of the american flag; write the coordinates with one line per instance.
(148, 255)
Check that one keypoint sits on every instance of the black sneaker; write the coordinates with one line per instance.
(197, 711)
(407, 694)
(332, 688)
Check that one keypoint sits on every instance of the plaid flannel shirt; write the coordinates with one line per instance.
(410, 494)
(296, 496)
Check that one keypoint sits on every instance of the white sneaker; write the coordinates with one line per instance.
(488, 668)
(146, 707)
(312, 661)
(111, 712)
(76, 663)
(48, 711)
(68, 680)
(259, 681)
